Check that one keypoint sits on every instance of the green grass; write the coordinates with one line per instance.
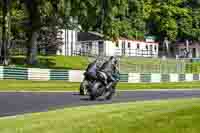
(27, 85)
(54, 62)
(171, 116)
(193, 67)
(151, 65)
(21, 85)
(145, 60)
(127, 64)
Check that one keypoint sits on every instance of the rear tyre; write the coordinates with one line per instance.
(82, 93)
(83, 88)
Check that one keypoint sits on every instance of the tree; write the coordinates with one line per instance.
(49, 40)
(34, 26)
(171, 19)
(100, 15)
(37, 18)
(5, 30)
(137, 16)
(165, 19)
(195, 7)
(86, 11)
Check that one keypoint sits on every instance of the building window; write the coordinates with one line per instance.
(123, 48)
(155, 48)
(90, 44)
(67, 36)
(117, 44)
(101, 48)
(129, 45)
(138, 46)
(151, 47)
(72, 37)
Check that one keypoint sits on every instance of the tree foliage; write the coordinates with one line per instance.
(172, 19)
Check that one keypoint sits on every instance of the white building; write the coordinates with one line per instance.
(193, 49)
(94, 44)
(125, 47)
(91, 43)
(69, 42)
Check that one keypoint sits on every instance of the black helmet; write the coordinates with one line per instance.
(111, 58)
(115, 61)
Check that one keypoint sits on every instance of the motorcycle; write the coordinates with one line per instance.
(88, 81)
(98, 87)
(85, 84)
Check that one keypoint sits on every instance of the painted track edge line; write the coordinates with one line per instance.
(194, 89)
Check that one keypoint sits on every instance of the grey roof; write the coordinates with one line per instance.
(86, 36)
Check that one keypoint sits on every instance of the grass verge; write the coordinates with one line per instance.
(127, 64)
(25, 85)
(171, 116)
(54, 62)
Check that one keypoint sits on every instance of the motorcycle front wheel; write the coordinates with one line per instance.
(109, 94)
(94, 90)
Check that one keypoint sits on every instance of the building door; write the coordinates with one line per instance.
(90, 48)
(151, 50)
(194, 52)
(123, 48)
(101, 48)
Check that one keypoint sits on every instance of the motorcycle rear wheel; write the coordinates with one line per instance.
(83, 88)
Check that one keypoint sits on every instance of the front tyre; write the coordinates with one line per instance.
(94, 91)
(109, 94)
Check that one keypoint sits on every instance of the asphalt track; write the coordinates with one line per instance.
(16, 103)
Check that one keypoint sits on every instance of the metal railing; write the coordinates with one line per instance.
(135, 52)
(118, 52)
(84, 53)
(154, 68)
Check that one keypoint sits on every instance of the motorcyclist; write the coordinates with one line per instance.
(115, 76)
(92, 70)
(90, 75)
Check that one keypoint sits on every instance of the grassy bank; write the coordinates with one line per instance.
(172, 116)
(127, 64)
(54, 62)
(151, 65)
(193, 68)
(20, 85)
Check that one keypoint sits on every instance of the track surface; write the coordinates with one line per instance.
(15, 103)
